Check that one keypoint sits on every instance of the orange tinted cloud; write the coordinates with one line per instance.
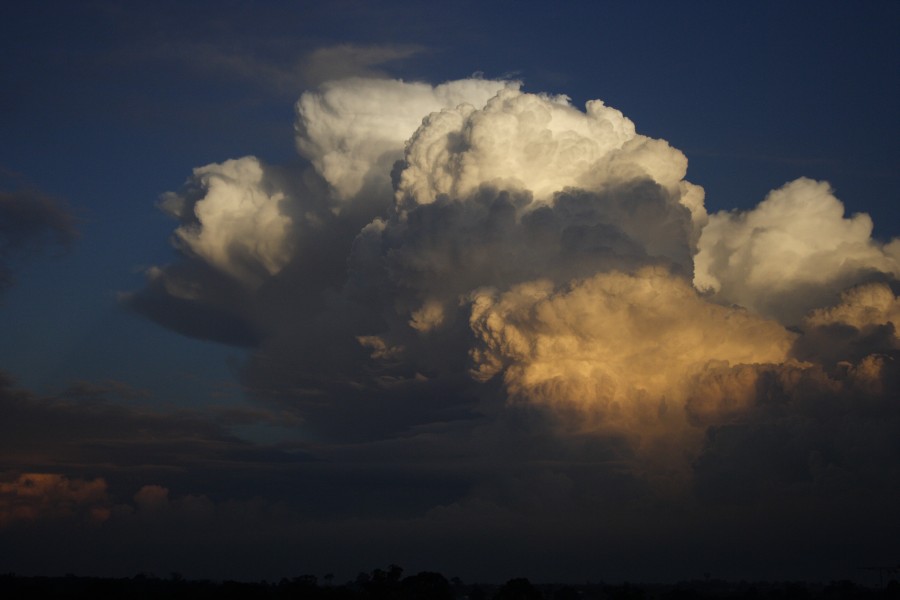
(35, 496)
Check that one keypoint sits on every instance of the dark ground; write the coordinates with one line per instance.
(391, 585)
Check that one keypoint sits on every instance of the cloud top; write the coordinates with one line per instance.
(794, 252)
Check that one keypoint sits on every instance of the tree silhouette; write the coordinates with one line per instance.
(432, 586)
(518, 589)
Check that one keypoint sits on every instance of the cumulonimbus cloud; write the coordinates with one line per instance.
(441, 236)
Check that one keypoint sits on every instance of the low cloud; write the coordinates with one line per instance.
(38, 496)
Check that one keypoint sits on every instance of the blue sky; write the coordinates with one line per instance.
(105, 106)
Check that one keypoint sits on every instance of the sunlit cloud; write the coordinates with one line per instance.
(37, 496)
(794, 252)
(440, 237)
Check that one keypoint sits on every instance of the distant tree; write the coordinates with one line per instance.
(566, 593)
(382, 584)
(476, 592)
(626, 591)
(394, 573)
(518, 589)
(685, 593)
(796, 591)
(427, 585)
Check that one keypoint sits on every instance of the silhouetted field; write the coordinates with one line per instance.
(391, 585)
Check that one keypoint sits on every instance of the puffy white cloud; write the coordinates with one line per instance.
(795, 251)
(537, 143)
(353, 130)
(232, 218)
(562, 239)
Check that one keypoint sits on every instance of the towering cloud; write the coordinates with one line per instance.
(538, 143)
(443, 237)
(794, 252)
(353, 130)
(615, 344)
(231, 219)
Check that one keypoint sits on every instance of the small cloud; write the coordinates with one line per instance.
(37, 496)
(352, 60)
(152, 498)
(30, 221)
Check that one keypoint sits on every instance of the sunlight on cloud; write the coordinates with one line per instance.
(614, 340)
(232, 219)
(354, 129)
(861, 307)
(794, 252)
(34, 496)
(538, 143)
(471, 231)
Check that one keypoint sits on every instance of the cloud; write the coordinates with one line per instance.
(36, 496)
(354, 130)
(353, 60)
(503, 272)
(78, 433)
(535, 142)
(280, 65)
(30, 221)
(792, 253)
(152, 498)
(231, 219)
(611, 341)
(861, 307)
(805, 434)
(621, 354)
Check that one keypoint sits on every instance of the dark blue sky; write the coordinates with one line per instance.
(106, 105)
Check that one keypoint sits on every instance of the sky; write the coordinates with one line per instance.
(571, 291)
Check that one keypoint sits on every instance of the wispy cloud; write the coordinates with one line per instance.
(30, 222)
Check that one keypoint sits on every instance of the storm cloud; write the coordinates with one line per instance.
(487, 308)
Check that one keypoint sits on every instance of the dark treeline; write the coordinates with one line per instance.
(391, 585)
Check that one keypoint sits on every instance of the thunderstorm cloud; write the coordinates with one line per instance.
(441, 236)
(469, 274)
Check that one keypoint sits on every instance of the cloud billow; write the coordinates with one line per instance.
(464, 252)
